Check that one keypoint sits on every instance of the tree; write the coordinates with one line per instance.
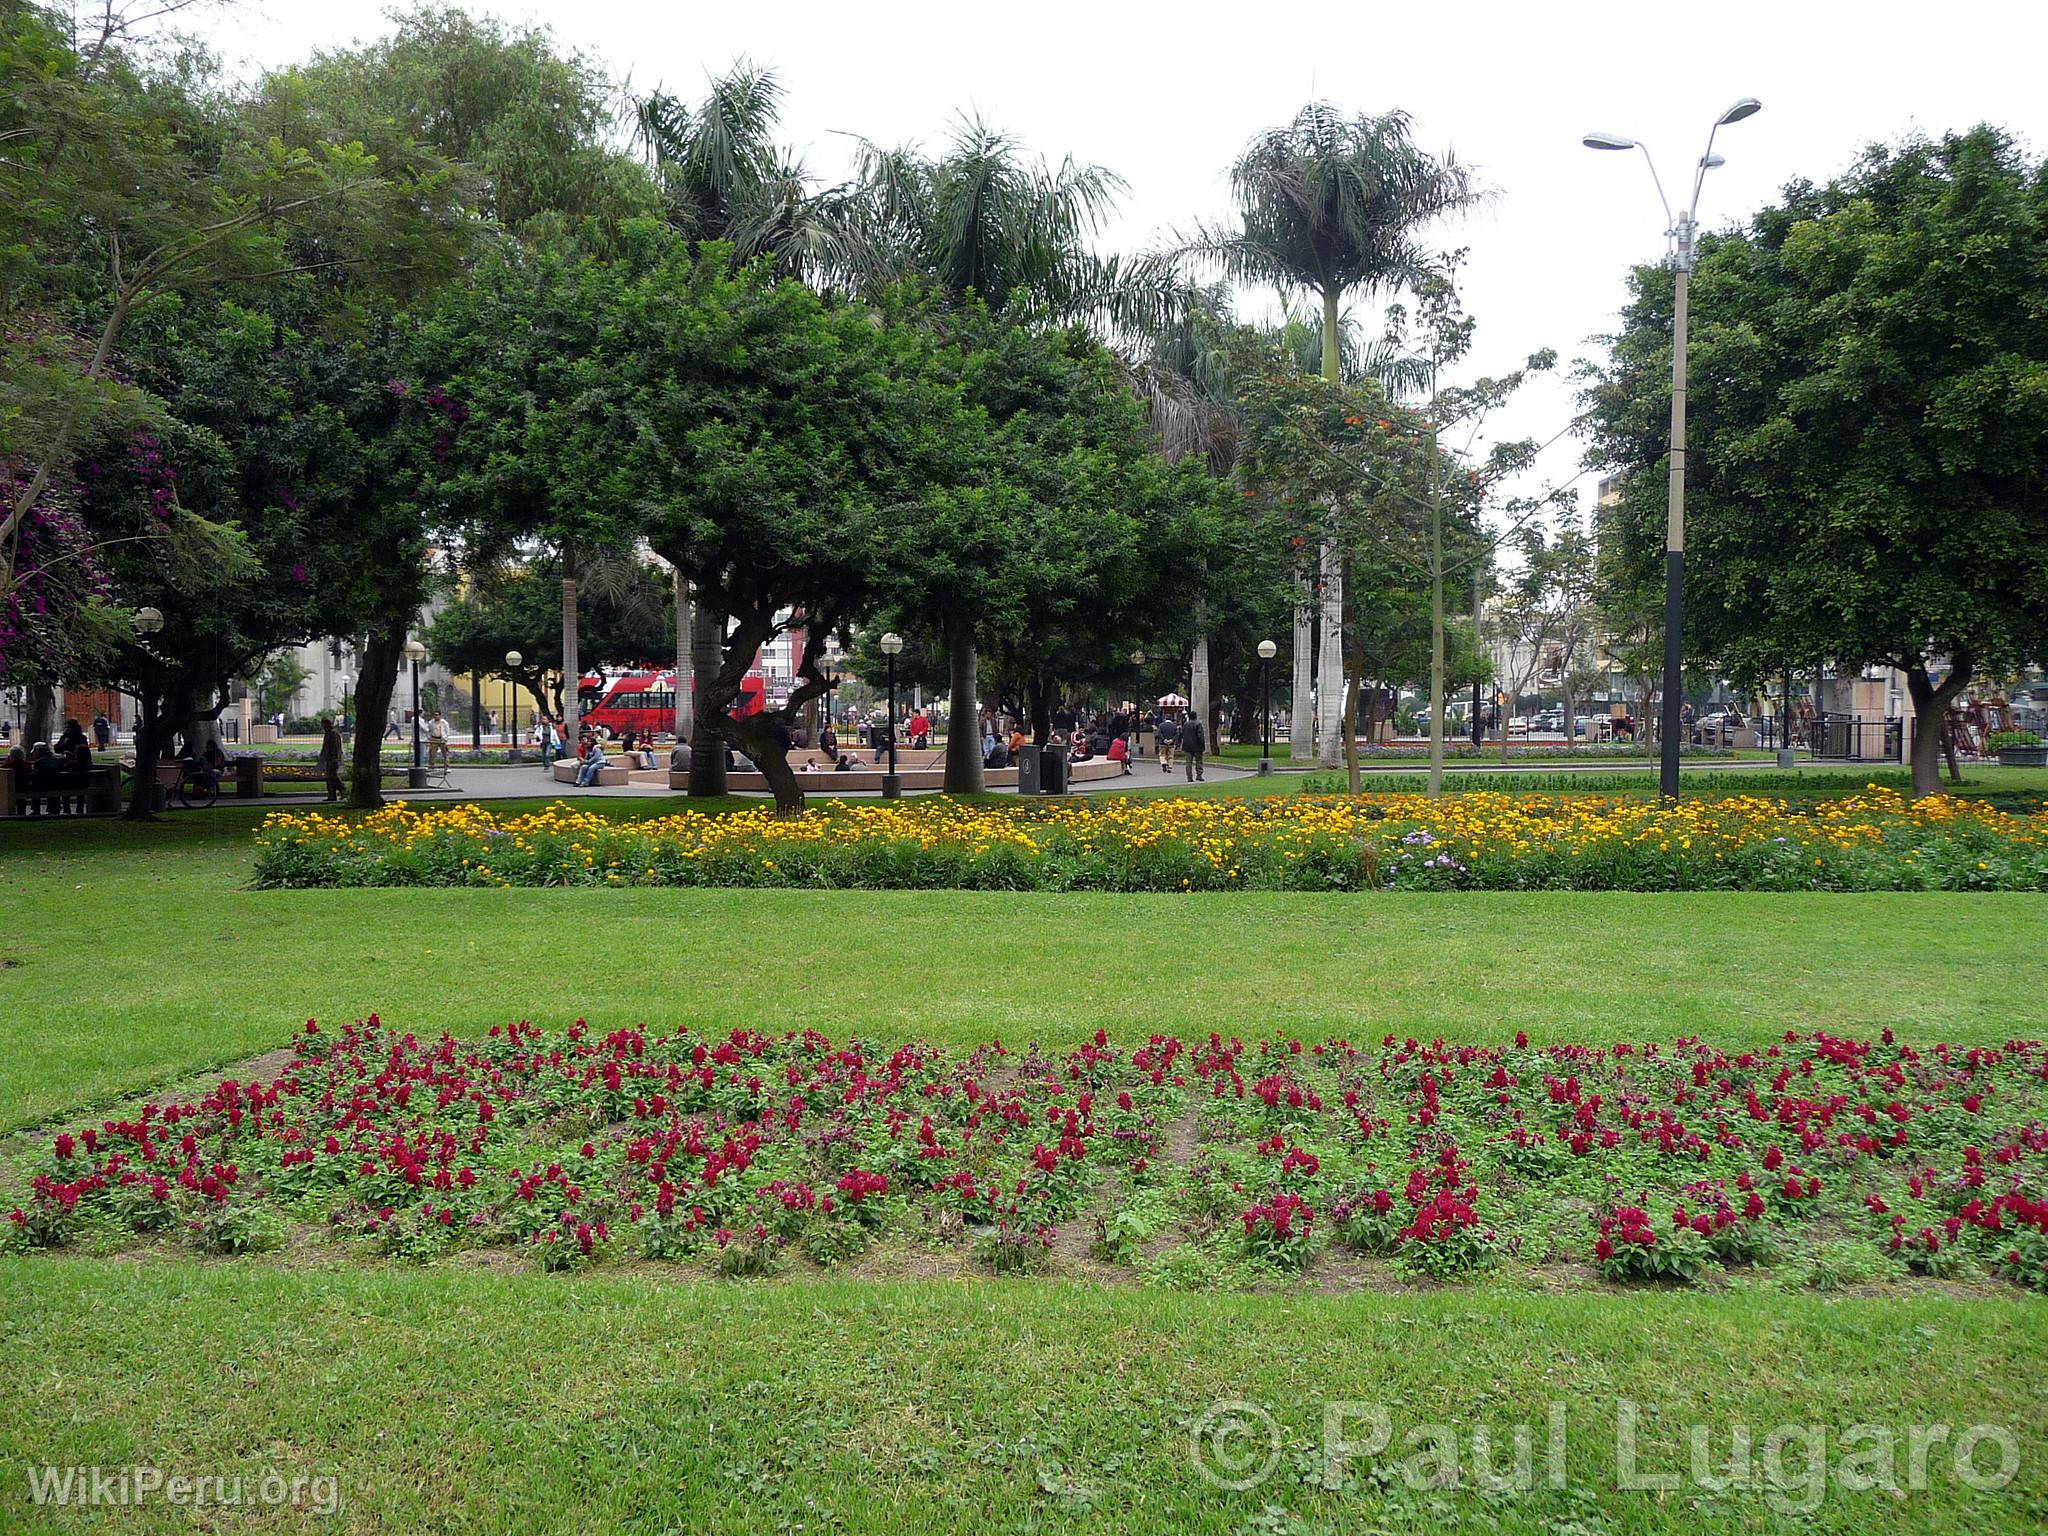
(150, 182)
(1867, 427)
(986, 224)
(1332, 205)
(531, 131)
(723, 179)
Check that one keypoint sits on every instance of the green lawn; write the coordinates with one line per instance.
(488, 1401)
(467, 1395)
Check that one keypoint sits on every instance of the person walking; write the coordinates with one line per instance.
(1194, 741)
(1167, 734)
(330, 757)
(102, 730)
(437, 740)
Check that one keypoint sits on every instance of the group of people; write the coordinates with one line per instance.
(52, 779)
(1116, 735)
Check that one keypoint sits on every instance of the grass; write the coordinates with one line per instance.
(479, 1398)
(495, 1401)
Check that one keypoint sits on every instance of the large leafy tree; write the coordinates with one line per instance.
(1867, 432)
(1333, 206)
(723, 178)
(985, 223)
(126, 180)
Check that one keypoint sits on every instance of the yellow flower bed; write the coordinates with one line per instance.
(1875, 840)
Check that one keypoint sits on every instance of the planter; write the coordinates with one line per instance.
(2024, 757)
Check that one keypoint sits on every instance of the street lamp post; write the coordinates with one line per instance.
(1681, 231)
(416, 777)
(892, 786)
(1137, 692)
(512, 661)
(346, 713)
(1267, 651)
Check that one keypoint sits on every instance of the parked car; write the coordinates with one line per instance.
(1518, 726)
(1547, 720)
(1721, 721)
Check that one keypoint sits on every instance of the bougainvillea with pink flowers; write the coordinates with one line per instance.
(745, 1153)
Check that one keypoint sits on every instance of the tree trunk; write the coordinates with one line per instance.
(1930, 713)
(1350, 726)
(963, 746)
(686, 682)
(1301, 736)
(374, 687)
(41, 715)
(572, 667)
(142, 792)
(1331, 690)
(707, 730)
(765, 739)
(1038, 701)
(1436, 616)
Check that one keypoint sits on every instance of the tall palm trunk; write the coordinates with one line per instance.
(707, 739)
(1330, 696)
(1330, 669)
(1301, 736)
(572, 666)
(963, 734)
(1199, 688)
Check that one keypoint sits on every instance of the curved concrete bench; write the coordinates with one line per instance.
(869, 780)
(565, 773)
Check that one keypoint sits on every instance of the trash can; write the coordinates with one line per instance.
(248, 776)
(415, 777)
(1052, 770)
(1027, 771)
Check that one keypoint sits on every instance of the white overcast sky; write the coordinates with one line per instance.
(1167, 94)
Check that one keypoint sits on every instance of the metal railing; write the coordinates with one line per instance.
(1859, 739)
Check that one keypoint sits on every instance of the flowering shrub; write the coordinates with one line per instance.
(743, 1153)
(1874, 841)
(1278, 1231)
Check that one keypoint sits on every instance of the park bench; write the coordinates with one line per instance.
(565, 773)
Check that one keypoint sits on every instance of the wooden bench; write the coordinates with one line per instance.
(99, 792)
(565, 773)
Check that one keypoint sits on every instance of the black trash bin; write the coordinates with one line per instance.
(248, 776)
(1027, 771)
(1052, 770)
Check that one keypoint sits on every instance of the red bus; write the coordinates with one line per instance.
(645, 702)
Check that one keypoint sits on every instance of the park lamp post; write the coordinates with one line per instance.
(512, 661)
(343, 679)
(1137, 695)
(149, 622)
(1682, 231)
(1267, 651)
(892, 786)
(417, 777)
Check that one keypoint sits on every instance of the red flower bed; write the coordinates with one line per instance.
(744, 1150)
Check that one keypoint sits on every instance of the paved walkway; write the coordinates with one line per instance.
(529, 781)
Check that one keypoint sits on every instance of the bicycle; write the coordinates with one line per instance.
(198, 787)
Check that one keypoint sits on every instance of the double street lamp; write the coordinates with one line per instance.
(1682, 231)
(1267, 651)
(892, 786)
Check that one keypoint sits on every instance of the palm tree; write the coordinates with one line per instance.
(1332, 206)
(986, 220)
